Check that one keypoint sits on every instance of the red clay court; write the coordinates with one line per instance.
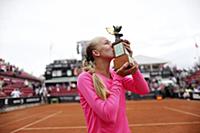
(145, 116)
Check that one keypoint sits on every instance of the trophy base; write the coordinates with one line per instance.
(119, 61)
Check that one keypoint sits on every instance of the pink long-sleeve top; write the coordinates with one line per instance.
(108, 116)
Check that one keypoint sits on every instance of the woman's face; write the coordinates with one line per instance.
(104, 47)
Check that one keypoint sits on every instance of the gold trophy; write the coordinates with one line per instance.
(120, 52)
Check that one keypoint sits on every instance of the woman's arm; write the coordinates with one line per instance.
(106, 109)
(136, 84)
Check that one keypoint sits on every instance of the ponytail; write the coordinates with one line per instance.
(99, 86)
(101, 91)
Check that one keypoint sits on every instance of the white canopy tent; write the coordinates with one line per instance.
(145, 60)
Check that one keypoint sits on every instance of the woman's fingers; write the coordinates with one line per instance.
(127, 69)
(128, 48)
(129, 51)
(126, 45)
(126, 41)
(122, 69)
(133, 69)
(125, 66)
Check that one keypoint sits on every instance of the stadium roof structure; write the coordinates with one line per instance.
(145, 60)
(21, 76)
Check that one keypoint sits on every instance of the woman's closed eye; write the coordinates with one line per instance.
(107, 42)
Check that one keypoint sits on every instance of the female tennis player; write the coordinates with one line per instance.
(102, 90)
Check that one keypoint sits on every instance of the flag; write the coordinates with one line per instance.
(196, 45)
(50, 47)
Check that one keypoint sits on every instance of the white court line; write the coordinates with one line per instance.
(164, 124)
(180, 111)
(35, 122)
(17, 120)
(130, 125)
(55, 128)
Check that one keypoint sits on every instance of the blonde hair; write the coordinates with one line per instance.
(89, 65)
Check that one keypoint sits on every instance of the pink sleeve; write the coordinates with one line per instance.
(136, 84)
(105, 109)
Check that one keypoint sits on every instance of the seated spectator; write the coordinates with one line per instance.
(16, 93)
(197, 89)
(186, 94)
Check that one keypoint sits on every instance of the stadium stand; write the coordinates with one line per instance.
(11, 78)
(60, 79)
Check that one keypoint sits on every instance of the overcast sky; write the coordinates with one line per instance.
(165, 29)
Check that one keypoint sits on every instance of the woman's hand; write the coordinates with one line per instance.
(127, 69)
(126, 43)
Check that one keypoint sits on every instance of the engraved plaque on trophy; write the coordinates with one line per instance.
(120, 52)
